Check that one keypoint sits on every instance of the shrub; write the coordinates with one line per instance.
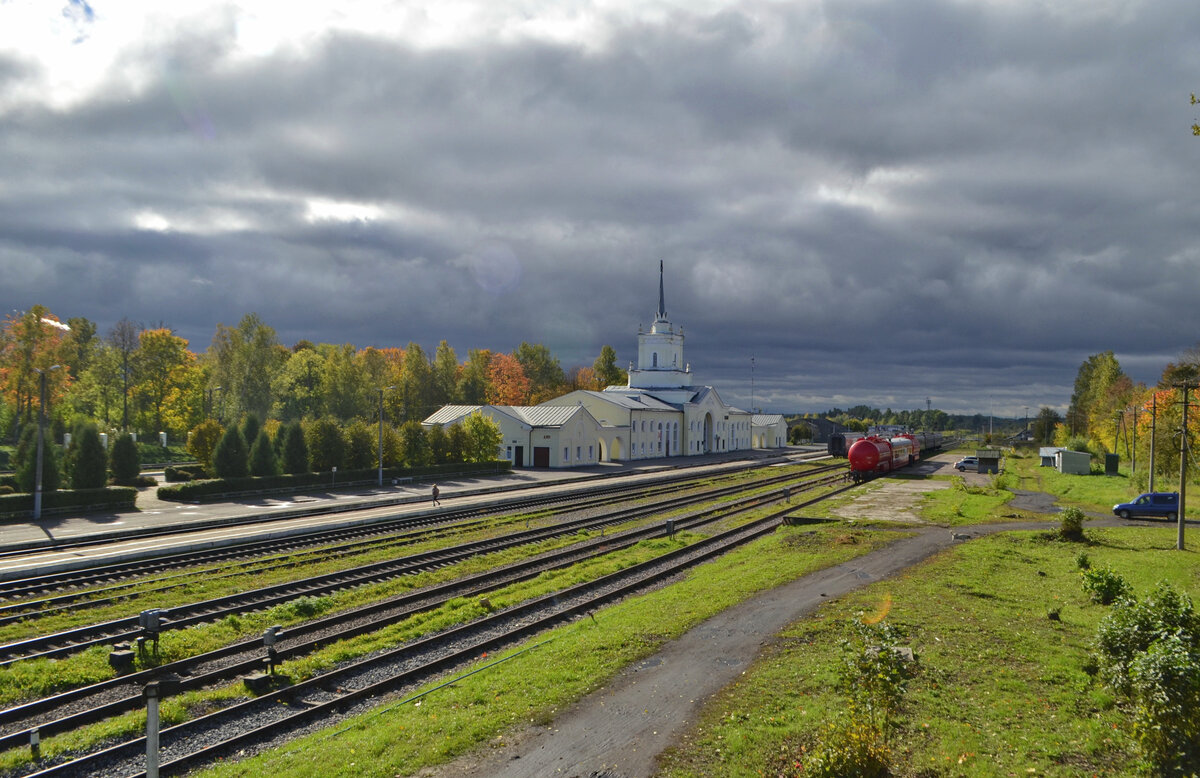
(86, 460)
(250, 428)
(1150, 651)
(124, 460)
(295, 450)
(1071, 523)
(203, 441)
(230, 459)
(361, 440)
(852, 744)
(326, 446)
(262, 456)
(414, 445)
(26, 464)
(1104, 585)
(1083, 561)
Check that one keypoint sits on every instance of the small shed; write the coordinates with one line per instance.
(1047, 453)
(989, 459)
(1073, 462)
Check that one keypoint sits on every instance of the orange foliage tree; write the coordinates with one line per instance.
(508, 384)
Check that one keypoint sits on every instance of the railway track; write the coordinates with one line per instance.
(359, 684)
(73, 640)
(108, 698)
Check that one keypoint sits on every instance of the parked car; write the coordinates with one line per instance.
(1152, 505)
(967, 463)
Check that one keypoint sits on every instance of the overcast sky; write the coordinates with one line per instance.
(878, 201)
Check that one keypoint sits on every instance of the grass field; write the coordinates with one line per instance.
(1003, 686)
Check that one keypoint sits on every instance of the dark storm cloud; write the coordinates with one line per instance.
(879, 202)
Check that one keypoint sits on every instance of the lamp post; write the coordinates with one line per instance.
(37, 489)
(381, 391)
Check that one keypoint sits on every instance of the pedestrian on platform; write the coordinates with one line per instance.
(435, 495)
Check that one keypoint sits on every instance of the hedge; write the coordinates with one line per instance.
(217, 488)
(183, 473)
(114, 498)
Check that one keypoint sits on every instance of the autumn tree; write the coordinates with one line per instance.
(1044, 425)
(507, 382)
(32, 341)
(202, 442)
(159, 364)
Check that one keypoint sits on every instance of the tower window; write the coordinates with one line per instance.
(654, 359)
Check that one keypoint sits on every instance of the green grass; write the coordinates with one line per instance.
(569, 662)
(962, 504)
(1000, 689)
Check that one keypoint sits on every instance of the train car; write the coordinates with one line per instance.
(874, 456)
(840, 442)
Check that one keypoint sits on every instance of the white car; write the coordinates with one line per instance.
(967, 463)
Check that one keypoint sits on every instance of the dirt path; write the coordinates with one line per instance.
(618, 731)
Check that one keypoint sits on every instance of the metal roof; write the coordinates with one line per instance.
(448, 414)
(766, 419)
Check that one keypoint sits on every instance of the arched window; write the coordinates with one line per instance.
(654, 359)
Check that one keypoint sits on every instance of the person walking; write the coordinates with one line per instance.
(436, 492)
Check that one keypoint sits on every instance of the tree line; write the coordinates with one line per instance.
(146, 379)
(1110, 413)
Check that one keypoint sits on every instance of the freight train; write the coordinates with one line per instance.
(840, 442)
(872, 456)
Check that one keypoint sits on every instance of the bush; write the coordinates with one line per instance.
(1071, 523)
(361, 440)
(1104, 585)
(184, 473)
(26, 464)
(295, 450)
(110, 498)
(262, 456)
(1150, 651)
(124, 461)
(250, 428)
(86, 460)
(203, 440)
(230, 459)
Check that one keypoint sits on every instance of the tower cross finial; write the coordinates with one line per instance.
(662, 305)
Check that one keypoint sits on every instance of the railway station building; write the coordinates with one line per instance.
(657, 414)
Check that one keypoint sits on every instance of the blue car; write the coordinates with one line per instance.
(1153, 505)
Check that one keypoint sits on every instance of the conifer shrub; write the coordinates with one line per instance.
(124, 461)
(295, 450)
(262, 456)
(86, 460)
(230, 459)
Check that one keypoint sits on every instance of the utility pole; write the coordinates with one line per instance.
(1183, 460)
(1133, 456)
(1153, 423)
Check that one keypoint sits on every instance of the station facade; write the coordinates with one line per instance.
(658, 414)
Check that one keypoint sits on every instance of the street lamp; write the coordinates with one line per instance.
(37, 489)
(381, 391)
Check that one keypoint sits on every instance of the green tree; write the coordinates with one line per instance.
(262, 456)
(445, 375)
(546, 377)
(606, 371)
(415, 385)
(456, 443)
(250, 427)
(25, 463)
(86, 460)
(297, 387)
(473, 382)
(1044, 425)
(326, 445)
(245, 360)
(203, 440)
(361, 441)
(343, 384)
(97, 393)
(295, 449)
(414, 447)
(439, 444)
(230, 459)
(81, 344)
(124, 460)
(483, 438)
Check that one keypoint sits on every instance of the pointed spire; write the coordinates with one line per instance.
(662, 305)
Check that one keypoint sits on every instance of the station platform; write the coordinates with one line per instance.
(59, 543)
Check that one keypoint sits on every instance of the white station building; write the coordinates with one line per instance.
(658, 414)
